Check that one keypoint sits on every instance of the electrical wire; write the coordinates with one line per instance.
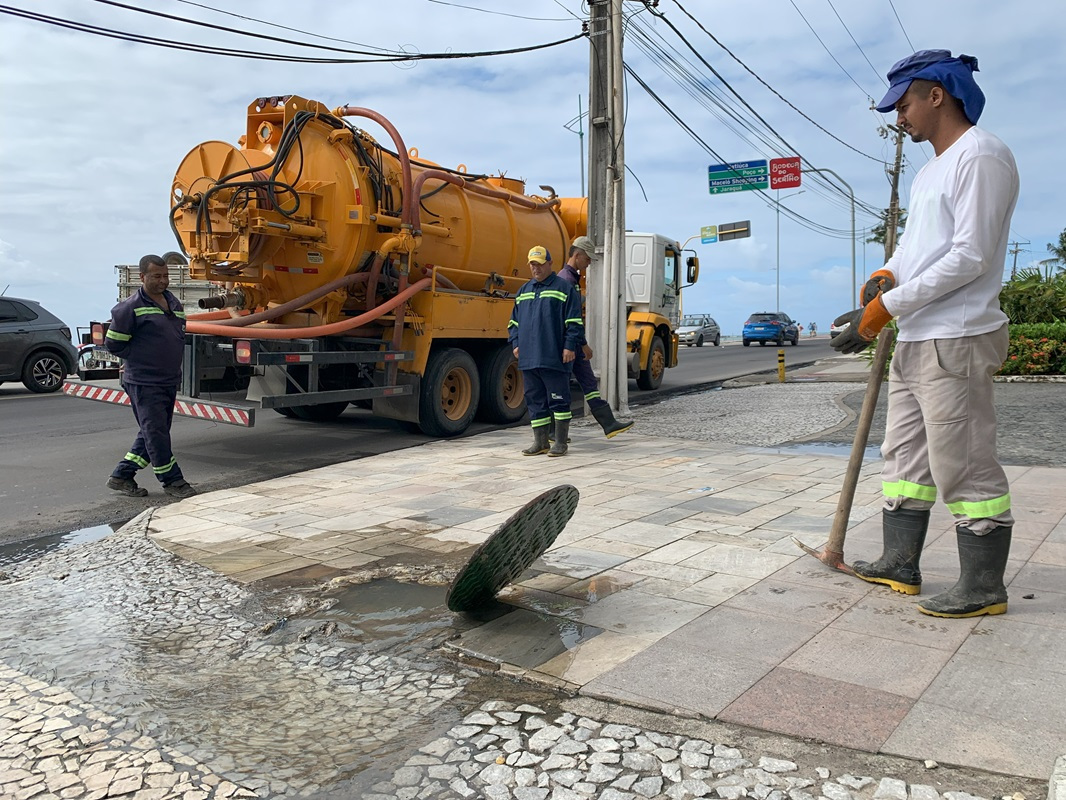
(830, 52)
(262, 56)
(499, 13)
(281, 27)
(754, 75)
(810, 224)
(878, 74)
(730, 115)
(905, 36)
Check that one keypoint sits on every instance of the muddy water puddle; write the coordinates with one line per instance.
(286, 702)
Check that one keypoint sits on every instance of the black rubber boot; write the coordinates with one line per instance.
(540, 442)
(611, 426)
(903, 532)
(551, 432)
(562, 436)
(980, 590)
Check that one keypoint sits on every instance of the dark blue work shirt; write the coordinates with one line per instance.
(545, 321)
(150, 338)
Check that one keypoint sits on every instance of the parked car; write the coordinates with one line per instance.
(835, 330)
(695, 329)
(35, 346)
(770, 326)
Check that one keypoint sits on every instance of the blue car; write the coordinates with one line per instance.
(771, 326)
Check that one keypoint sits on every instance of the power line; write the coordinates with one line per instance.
(826, 48)
(878, 74)
(500, 13)
(281, 27)
(172, 44)
(905, 36)
(754, 75)
(770, 202)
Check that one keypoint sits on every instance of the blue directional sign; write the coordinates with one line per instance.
(738, 176)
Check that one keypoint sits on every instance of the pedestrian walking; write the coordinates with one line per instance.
(545, 333)
(148, 331)
(943, 284)
(578, 260)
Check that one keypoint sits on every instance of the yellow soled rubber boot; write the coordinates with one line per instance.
(611, 426)
(562, 436)
(540, 442)
(903, 533)
(980, 590)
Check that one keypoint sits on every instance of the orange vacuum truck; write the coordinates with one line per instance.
(353, 273)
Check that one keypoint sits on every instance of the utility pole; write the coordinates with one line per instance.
(606, 202)
(892, 222)
(1015, 248)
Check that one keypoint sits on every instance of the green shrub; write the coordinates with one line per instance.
(1036, 349)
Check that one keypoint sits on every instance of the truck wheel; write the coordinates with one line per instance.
(450, 391)
(44, 372)
(651, 377)
(503, 399)
(286, 412)
(322, 412)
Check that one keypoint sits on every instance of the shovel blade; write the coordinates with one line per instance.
(830, 558)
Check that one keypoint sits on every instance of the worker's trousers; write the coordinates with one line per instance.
(153, 408)
(587, 380)
(941, 430)
(547, 395)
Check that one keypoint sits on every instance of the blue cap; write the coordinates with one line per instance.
(955, 74)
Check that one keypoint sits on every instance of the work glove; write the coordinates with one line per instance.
(865, 324)
(881, 281)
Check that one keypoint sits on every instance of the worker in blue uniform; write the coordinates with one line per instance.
(545, 332)
(148, 331)
(577, 261)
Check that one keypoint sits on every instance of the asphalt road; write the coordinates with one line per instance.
(56, 452)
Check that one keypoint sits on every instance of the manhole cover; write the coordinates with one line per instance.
(512, 548)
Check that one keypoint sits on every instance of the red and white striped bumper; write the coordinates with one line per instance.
(198, 409)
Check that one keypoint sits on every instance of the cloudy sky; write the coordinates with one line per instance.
(93, 128)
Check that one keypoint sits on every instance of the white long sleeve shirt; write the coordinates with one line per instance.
(949, 263)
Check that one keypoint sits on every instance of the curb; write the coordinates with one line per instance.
(1057, 785)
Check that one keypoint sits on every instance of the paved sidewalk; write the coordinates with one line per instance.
(676, 587)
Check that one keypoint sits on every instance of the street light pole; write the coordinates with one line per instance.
(854, 291)
(778, 203)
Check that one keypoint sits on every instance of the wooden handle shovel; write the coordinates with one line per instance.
(832, 555)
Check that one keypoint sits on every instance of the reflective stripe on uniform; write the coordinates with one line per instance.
(915, 491)
(120, 337)
(562, 415)
(140, 312)
(578, 320)
(166, 467)
(540, 422)
(592, 396)
(136, 459)
(981, 509)
(524, 296)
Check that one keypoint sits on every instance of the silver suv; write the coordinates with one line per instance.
(695, 329)
(35, 346)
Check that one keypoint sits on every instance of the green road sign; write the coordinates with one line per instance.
(738, 176)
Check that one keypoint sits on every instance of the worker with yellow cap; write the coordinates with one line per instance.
(545, 332)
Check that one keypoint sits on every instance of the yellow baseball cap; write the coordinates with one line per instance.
(539, 255)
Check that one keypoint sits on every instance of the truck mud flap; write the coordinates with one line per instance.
(225, 413)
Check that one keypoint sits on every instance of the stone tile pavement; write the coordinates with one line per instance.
(675, 587)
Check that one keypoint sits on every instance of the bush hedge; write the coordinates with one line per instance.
(1036, 349)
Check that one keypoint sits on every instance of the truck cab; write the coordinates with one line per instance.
(656, 271)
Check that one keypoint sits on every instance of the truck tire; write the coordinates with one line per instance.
(450, 392)
(44, 372)
(651, 377)
(502, 400)
(322, 412)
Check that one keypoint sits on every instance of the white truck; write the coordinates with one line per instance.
(654, 280)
